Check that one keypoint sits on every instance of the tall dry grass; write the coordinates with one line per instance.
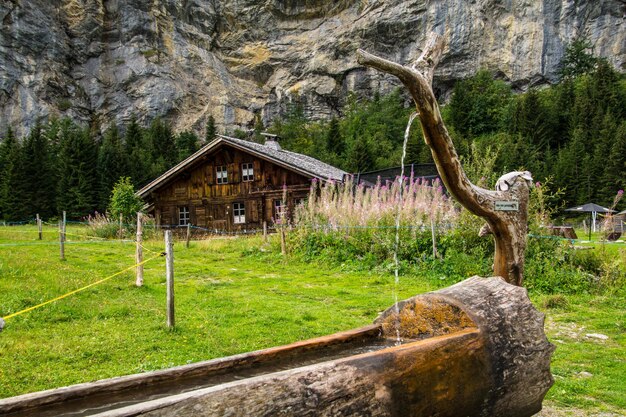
(334, 206)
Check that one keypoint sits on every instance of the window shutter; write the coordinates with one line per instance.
(252, 211)
(208, 172)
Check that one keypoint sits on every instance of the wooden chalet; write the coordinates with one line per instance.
(233, 184)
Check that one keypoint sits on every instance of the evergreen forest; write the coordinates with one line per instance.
(571, 135)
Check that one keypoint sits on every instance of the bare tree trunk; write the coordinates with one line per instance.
(508, 227)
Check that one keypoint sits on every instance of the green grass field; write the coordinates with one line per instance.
(235, 295)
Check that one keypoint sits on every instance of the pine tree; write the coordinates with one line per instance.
(334, 141)
(479, 104)
(138, 156)
(572, 170)
(39, 175)
(614, 176)
(565, 96)
(162, 146)
(187, 144)
(78, 181)
(578, 59)
(360, 156)
(603, 141)
(112, 164)
(10, 159)
(211, 129)
(258, 128)
(608, 93)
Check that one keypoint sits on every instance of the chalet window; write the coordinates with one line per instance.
(239, 213)
(222, 174)
(183, 215)
(247, 172)
(280, 208)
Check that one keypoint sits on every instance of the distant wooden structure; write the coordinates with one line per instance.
(427, 173)
(566, 232)
(233, 184)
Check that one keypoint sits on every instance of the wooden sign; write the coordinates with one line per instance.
(512, 205)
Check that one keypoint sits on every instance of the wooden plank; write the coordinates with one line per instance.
(169, 277)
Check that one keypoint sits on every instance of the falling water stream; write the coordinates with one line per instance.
(396, 246)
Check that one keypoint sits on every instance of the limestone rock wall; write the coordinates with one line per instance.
(99, 61)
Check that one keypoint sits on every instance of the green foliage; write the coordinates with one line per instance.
(124, 201)
(210, 130)
(570, 132)
(12, 184)
(162, 144)
(550, 269)
(77, 166)
(258, 129)
(578, 59)
(187, 144)
(112, 163)
(149, 53)
(479, 104)
(64, 104)
(368, 136)
(334, 142)
(137, 152)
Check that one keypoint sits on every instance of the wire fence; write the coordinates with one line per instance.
(199, 232)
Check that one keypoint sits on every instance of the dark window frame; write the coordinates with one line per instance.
(221, 174)
(184, 215)
(249, 176)
(239, 213)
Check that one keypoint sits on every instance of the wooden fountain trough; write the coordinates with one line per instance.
(473, 349)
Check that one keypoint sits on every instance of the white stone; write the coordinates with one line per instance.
(597, 336)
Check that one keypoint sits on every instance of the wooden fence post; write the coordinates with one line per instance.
(139, 251)
(169, 266)
(188, 235)
(265, 231)
(121, 225)
(62, 236)
(39, 227)
(432, 229)
(283, 240)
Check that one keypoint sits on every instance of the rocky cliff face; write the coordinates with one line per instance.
(99, 61)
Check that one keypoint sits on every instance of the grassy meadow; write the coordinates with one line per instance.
(235, 295)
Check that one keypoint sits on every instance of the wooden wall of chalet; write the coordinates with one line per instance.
(211, 204)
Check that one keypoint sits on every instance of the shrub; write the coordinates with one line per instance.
(103, 226)
(124, 201)
(100, 225)
(351, 224)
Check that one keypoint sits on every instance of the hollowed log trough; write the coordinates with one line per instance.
(476, 348)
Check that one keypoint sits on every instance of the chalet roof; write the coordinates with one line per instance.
(296, 162)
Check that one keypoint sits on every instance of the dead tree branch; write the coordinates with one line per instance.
(509, 227)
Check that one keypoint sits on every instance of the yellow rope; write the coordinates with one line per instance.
(146, 249)
(80, 289)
